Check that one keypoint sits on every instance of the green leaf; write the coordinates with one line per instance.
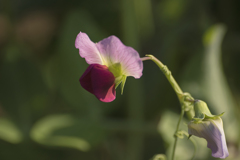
(9, 132)
(43, 133)
(67, 131)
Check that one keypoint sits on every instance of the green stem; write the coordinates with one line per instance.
(168, 74)
(176, 138)
(176, 88)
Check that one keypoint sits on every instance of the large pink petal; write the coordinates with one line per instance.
(88, 49)
(114, 51)
(98, 80)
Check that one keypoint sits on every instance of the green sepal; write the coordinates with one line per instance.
(118, 80)
(213, 116)
(122, 80)
(198, 120)
(116, 69)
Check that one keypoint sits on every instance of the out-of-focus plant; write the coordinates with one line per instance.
(44, 113)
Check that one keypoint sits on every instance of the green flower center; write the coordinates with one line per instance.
(116, 69)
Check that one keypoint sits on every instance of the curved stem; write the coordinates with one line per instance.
(176, 88)
(168, 75)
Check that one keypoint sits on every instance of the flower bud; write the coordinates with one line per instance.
(210, 127)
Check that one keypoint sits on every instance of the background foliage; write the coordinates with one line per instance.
(46, 114)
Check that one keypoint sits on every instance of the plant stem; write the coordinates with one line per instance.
(176, 138)
(168, 74)
(176, 88)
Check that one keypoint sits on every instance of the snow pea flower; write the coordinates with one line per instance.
(210, 127)
(110, 63)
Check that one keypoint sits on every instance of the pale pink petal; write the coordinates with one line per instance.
(114, 51)
(88, 49)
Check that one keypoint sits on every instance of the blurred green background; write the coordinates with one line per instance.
(44, 112)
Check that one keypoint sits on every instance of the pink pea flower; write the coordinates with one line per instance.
(110, 63)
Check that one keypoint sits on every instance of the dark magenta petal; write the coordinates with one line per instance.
(86, 81)
(98, 80)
